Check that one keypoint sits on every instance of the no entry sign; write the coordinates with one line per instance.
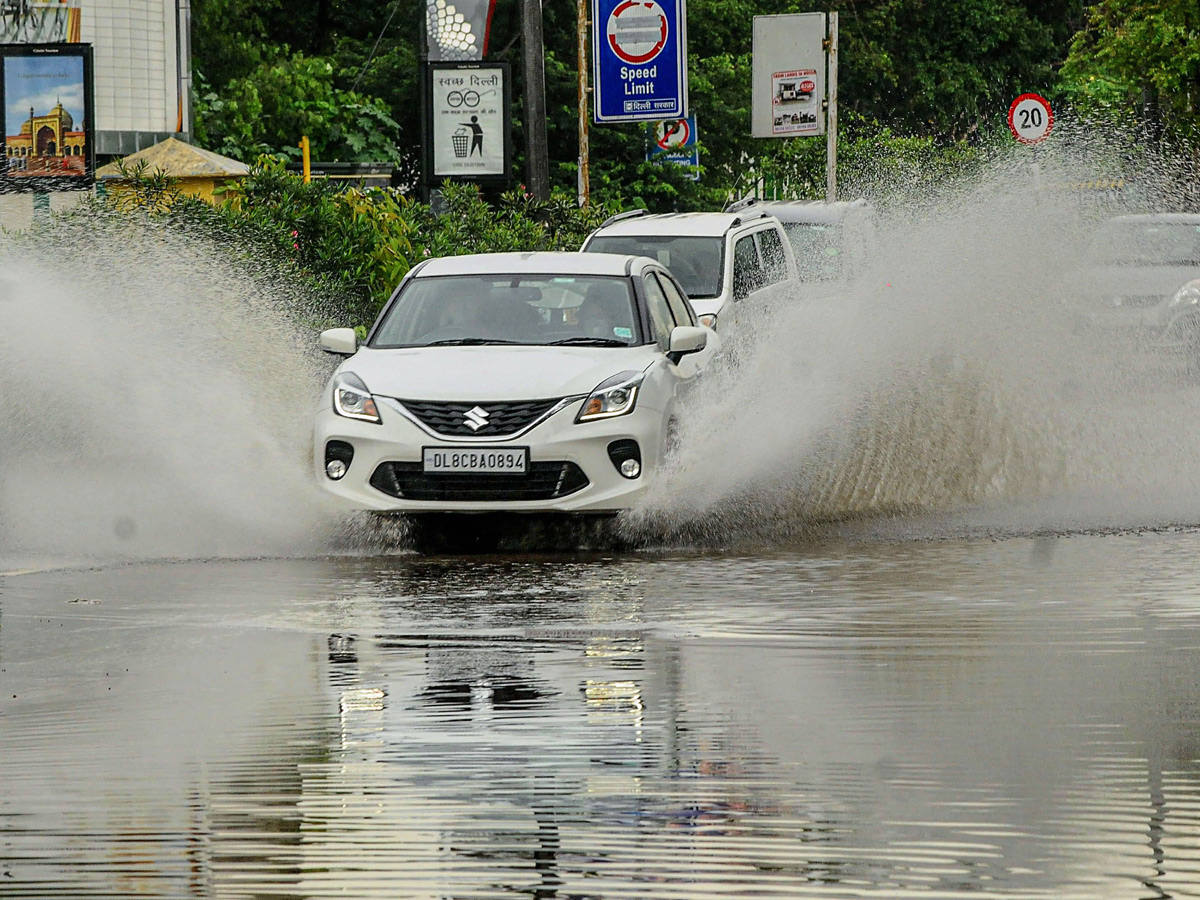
(639, 60)
(1030, 118)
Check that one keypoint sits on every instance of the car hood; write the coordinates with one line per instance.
(493, 372)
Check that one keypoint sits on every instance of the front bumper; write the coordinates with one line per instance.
(561, 453)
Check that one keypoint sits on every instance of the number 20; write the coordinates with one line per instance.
(1031, 117)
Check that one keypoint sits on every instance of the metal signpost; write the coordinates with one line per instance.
(468, 122)
(639, 60)
(794, 79)
(674, 141)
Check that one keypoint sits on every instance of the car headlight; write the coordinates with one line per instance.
(708, 320)
(614, 396)
(1188, 295)
(352, 399)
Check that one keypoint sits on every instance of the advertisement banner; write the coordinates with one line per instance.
(457, 30)
(46, 94)
(639, 60)
(469, 121)
(22, 22)
(788, 76)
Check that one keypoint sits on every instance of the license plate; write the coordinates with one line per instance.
(511, 460)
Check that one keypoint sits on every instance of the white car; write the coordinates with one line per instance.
(717, 257)
(510, 382)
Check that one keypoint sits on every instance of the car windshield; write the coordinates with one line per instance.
(818, 250)
(510, 309)
(696, 261)
(1147, 244)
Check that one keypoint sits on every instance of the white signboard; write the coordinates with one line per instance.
(788, 75)
(468, 121)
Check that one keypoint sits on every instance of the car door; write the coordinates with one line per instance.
(665, 379)
(681, 310)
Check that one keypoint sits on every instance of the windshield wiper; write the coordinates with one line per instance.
(467, 342)
(589, 341)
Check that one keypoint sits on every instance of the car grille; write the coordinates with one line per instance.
(543, 481)
(497, 418)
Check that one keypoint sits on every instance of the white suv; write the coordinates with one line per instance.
(717, 257)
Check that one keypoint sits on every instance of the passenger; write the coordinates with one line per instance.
(605, 308)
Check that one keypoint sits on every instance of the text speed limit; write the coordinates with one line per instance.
(1030, 118)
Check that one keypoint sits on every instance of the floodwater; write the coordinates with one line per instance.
(1015, 718)
(930, 627)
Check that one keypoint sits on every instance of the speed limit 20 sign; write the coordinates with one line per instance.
(1030, 118)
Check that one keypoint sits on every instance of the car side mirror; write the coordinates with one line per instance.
(686, 339)
(341, 341)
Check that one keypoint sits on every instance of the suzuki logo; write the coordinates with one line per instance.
(476, 418)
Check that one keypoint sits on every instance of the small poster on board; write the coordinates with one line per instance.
(795, 107)
(47, 102)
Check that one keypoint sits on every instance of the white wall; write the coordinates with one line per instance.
(137, 64)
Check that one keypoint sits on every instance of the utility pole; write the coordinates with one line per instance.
(584, 177)
(537, 153)
(831, 120)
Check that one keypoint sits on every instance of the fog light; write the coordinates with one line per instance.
(335, 469)
(626, 457)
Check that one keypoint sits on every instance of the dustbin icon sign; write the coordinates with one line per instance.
(460, 141)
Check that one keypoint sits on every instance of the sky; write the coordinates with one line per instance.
(41, 82)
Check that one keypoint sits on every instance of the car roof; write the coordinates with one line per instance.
(818, 212)
(549, 263)
(1157, 219)
(698, 224)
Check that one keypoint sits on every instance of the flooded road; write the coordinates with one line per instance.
(1014, 718)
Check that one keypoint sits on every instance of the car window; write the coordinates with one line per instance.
(747, 272)
(660, 311)
(770, 244)
(681, 310)
(510, 309)
(817, 248)
(698, 262)
(1147, 244)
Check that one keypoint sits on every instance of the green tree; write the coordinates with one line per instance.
(1141, 53)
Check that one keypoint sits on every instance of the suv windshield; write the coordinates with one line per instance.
(510, 309)
(817, 248)
(1147, 244)
(696, 261)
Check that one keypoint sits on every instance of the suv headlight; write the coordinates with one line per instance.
(614, 396)
(1188, 295)
(352, 399)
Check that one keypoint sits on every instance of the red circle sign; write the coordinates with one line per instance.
(637, 31)
(1030, 118)
(676, 136)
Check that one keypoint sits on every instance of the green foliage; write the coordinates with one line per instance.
(1136, 53)
(284, 97)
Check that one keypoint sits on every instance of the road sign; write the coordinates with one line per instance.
(639, 60)
(788, 75)
(468, 121)
(674, 141)
(1030, 118)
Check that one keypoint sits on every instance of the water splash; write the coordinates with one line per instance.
(972, 367)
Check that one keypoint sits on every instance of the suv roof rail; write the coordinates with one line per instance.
(628, 214)
(738, 220)
(748, 200)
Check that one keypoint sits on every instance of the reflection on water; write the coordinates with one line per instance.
(1016, 719)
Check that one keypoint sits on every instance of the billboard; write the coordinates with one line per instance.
(468, 124)
(46, 95)
(788, 75)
